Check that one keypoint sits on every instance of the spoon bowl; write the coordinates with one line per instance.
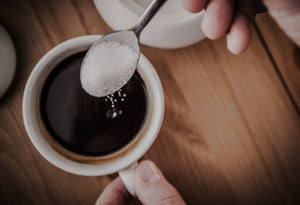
(125, 37)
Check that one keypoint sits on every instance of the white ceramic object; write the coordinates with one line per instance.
(172, 27)
(8, 60)
(123, 163)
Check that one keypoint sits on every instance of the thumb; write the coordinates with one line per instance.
(152, 187)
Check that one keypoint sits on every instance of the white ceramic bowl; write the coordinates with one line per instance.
(8, 60)
(32, 91)
(172, 27)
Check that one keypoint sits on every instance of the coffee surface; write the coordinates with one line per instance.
(90, 125)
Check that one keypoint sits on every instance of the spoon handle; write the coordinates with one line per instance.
(147, 16)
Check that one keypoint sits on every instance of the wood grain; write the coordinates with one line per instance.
(231, 134)
(284, 53)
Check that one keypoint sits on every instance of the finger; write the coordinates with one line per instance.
(194, 6)
(114, 193)
(239, 35)
(217, 18)
(152, 187)
(282, 5)
(287, 15)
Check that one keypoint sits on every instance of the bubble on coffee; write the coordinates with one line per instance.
(107, 67)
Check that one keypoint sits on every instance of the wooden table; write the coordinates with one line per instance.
(231, 132)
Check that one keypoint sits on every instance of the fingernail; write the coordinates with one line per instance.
(149, 172)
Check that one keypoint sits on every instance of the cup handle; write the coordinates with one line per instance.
(127, 177)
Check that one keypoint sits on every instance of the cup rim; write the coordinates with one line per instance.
(30, 95)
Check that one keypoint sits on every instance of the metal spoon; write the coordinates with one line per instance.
(130, 37)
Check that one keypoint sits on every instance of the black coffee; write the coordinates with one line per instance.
(88, 125)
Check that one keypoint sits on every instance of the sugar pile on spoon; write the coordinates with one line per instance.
(107, 67)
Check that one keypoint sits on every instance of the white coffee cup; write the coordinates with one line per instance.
(123, 160)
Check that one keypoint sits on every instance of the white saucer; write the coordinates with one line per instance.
(172, 27)
(7, 60)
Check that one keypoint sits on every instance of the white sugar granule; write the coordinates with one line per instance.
(107, 67)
